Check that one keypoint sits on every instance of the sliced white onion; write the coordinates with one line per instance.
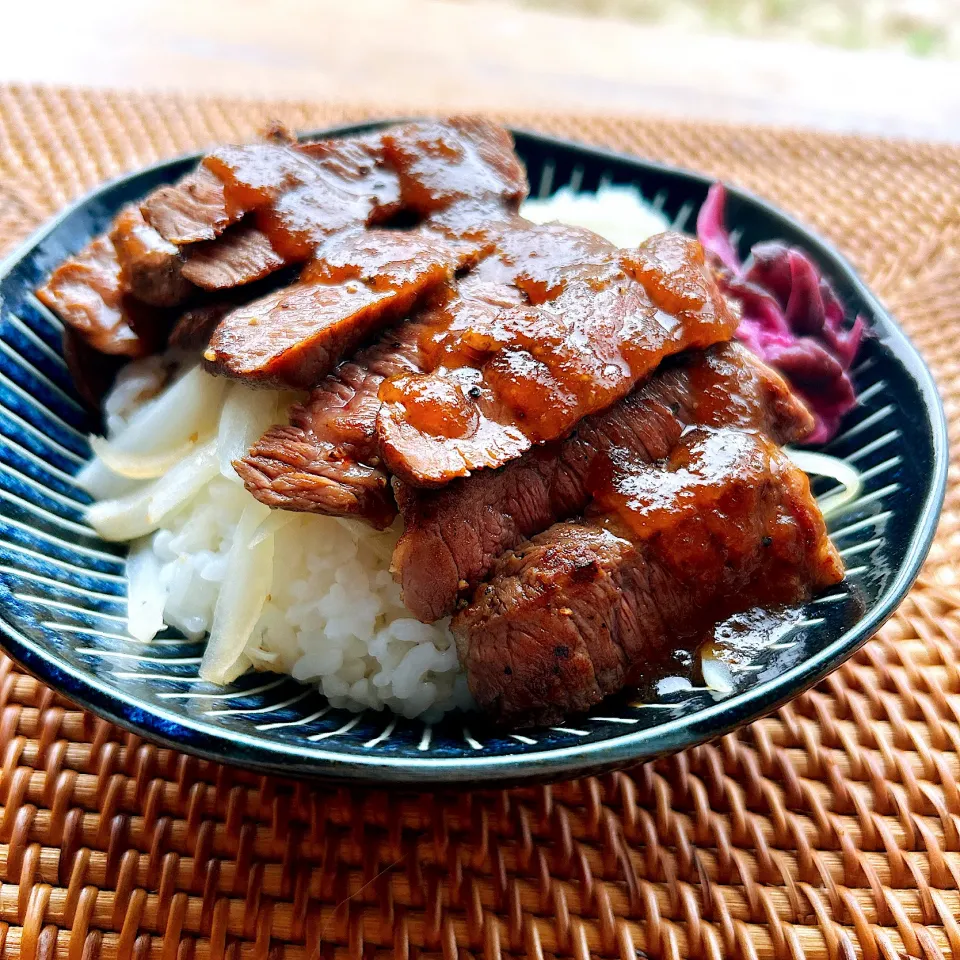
(190, 407)
(141, 512)
(141, 466)
(246, 414)
(271, 525)
(146, 595)
(245, 588)
(184, 481)
(823, 465)
(102, 483)
(717, 674)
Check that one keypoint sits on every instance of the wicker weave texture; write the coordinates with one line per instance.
(830, 829)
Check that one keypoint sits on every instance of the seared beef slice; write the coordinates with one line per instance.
(359, 284)
(151, 268)
(87, 294)
(326, 460)
(728, 522)
(526, 374)
(453, 536)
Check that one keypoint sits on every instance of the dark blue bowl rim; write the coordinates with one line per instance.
(210, 742)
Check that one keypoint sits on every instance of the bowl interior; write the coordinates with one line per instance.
(63, 590)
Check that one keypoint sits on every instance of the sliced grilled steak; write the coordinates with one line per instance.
(518, 376)
(326, 460)
(570, 616)
(461, 161)
(150, 267)
(86, 293)
(242, 255)
(453, 536)
(291, 197)
(192, 210)
(360, 283)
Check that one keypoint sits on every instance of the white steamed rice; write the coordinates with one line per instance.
(306, 595)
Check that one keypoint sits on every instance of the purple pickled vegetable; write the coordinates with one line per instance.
(770, 269)
(792, 318)
(711, 231)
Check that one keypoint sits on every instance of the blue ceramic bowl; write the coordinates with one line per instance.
(63, 590)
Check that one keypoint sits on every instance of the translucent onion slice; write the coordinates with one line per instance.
(246, 415)
(246, 585)
(183, 482)
(717, 674)
(146, 595)
(142, 511)
(190, 407)
(823, 465)
(271, 525)
(102, 483)
(141, 466)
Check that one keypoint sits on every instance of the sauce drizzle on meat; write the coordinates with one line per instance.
(572, 615)
(453, 535)
(580, 342)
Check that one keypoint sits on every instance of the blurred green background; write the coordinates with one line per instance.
(920, 27)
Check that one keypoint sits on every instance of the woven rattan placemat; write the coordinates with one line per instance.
(827, 830)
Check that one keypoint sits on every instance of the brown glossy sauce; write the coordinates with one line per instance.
(317, 203)
(739, 640)
(301, 196)
(722, 499)
(584, 324)
(460, 161)
(248, 211)
(440, 407)
(360, 282)
(704, 472)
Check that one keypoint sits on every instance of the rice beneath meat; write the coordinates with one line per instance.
(307, 595)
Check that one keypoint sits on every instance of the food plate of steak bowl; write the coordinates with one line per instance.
(432, 452)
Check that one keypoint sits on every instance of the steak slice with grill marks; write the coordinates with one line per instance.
(326, 460)
(358, 284)
(453, 536)
(571, 616)
(526, 374)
